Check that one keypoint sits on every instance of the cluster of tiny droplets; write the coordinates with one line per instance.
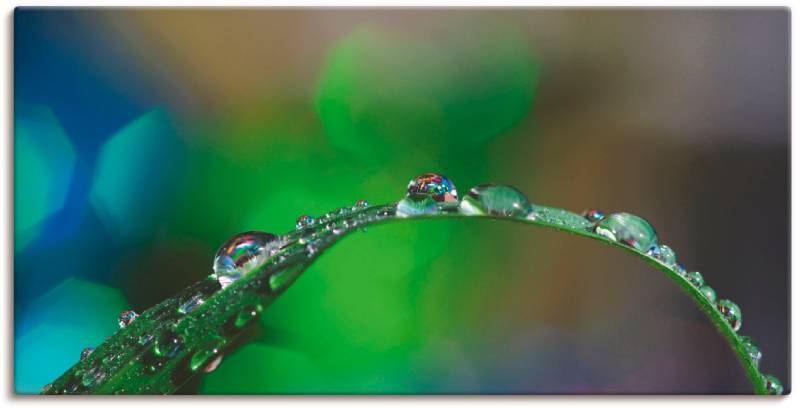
(490, 199)
(637, 233)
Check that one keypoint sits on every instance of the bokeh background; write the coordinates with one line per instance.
(144, 138)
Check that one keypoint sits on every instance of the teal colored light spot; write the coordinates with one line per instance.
(44, 161)
(384, 90)
(53, 330)
(136, 172)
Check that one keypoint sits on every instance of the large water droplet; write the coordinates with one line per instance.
(774, 386)
(243, 253)
(752, 350)
(434, 186)
(127, 317)
(731, 312)
(494, 199)
(709, 293)
(628, 229)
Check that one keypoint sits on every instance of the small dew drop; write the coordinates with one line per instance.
(213, 365)
(628, 229)
(731, 312)
(666, 255)
(752, 350)
(360, 204)
(86, 352)
(680, 269)
(594, 215)
(774, 386)
(305, 221)
(494, 199)
(126, 318)
(247, 315)
(191, 303)
(243, 253)
(709, 293)
(695, 278)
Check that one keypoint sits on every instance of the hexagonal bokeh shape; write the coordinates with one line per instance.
(51, 332)
(44, 161)
(135, 173)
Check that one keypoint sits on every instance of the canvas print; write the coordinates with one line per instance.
(530, 201)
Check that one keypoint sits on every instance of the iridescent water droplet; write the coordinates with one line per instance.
(695, 278)
(774, 386)
(86, 352)
(628, 229)
(434, 186)
(360, 204)
(495, 199)
(752, 350)
(731, 312)
(305, 221)
(594, 215)
(127, 317)
(168, 345)
(243, 253)
(709, 293)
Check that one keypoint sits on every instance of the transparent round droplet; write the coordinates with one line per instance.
(628, 229)
(666, 255)
(360, 204)
(434, 186)
(774, 386)
(495, 199)
(752, 350)
(127, 317)
(305, 221)
(243, 253)
(695, 278)
(409, 207)
(594, 215)
(247, 315)
(86, 352)
(731, 312)
(709, 293)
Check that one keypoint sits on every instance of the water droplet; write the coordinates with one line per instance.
(247, 315)
(213, 365)
(494, 199)
(127, 317)
(752, 350)
(594, 215)
(709, 293)
(243, 253)
(774, 386)
(680, 269)
(360, 204)
(666, 255)
(628, 229)
(304, 221)
(168, 344)
(86, 352)
(695, 278)
(201, 358)
(434, 186)
(94, 375)
(731, 312)
(145, 338)
(409, 207)
(191, 303)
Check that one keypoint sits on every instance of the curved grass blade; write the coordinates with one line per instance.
(175, 340)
